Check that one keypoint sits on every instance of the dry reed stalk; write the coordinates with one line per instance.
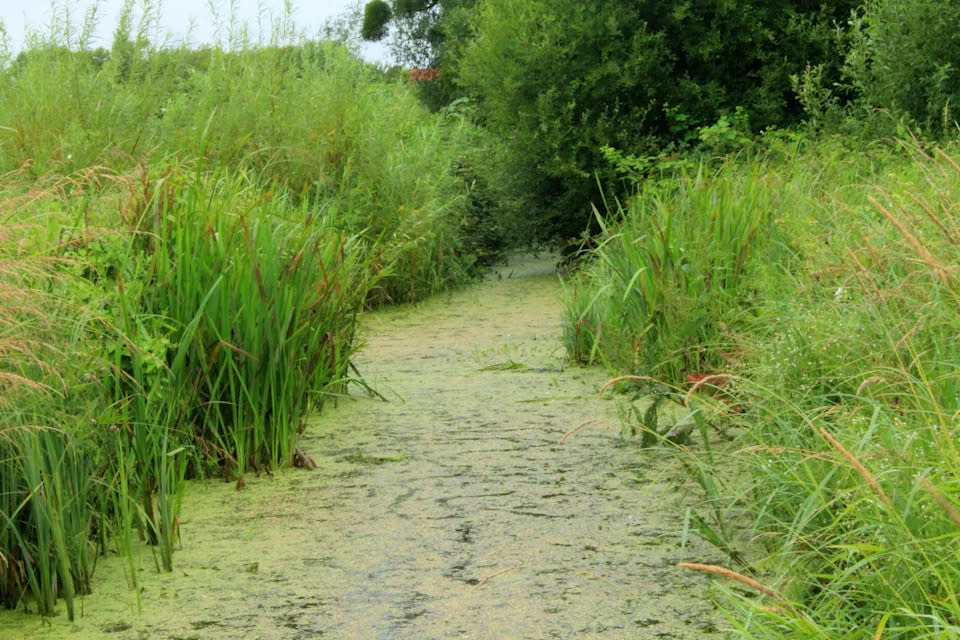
(870, 248)
(5, 432)
(10, 380)
(742, 579)
(820, 455)
(951, 161)
(622, 378)
(924, 253)
(941, 500)
(577, 428)
(498, 573)
(864, 275)
(866, 475)
(913, 330)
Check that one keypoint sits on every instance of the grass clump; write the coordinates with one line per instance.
(671, 273)
(173, 323)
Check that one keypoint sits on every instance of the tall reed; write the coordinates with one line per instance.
(44, 478)
(264, 310)
(186, 237)
(847, 385)
(671, 271)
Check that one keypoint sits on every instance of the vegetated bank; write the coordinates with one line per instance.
(806, 299)
(186, 237)
(490, 495)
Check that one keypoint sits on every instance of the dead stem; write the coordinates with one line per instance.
(930, 214)
(914, 242)
(739, 577)
(863, 274)
(499, 573)
(577, 428)
(943, 154)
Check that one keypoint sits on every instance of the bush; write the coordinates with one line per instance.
(563, 79)
(904, 58)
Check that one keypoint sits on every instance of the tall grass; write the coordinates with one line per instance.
(308, 118)
(186, 237)
(670, 274)
(45, 480)
(857, 473)
(846, 381)
(263, 311)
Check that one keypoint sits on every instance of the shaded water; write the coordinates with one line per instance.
(451, 511)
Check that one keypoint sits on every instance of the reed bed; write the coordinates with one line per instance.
(672, 271)
(843, 367)
(186, 238)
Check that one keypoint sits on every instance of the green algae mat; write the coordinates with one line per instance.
(468, 505)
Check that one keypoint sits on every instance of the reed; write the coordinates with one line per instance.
(846, 372)
(672, 269)
(832, 318)
(186, 237)
(266, 307)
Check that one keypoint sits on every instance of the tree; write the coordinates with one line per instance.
(419, 28)
(563, 78)
(904, 58)
(376, 18)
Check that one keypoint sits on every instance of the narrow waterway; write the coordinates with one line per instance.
(453, 510)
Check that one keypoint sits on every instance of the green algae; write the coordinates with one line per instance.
(456, 512)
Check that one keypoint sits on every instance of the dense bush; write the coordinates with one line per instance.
(904, 58)
(563, 79)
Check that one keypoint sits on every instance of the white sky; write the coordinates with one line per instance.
(178, 19)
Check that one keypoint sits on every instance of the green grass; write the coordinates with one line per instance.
(844, 463)
(671, 271)
(186, 237)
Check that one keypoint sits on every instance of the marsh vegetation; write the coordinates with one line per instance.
(766, 243)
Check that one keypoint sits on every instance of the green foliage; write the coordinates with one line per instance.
(407, 8)
(840, 357)
(903, 58)
(376, 19)
(185, 240)
(856, 465)
(562, 79)
(671, 276)
(420, 33)
(44, 518)
(262, 316)
(312, 120)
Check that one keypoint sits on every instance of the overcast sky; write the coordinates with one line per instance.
(179, 19)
